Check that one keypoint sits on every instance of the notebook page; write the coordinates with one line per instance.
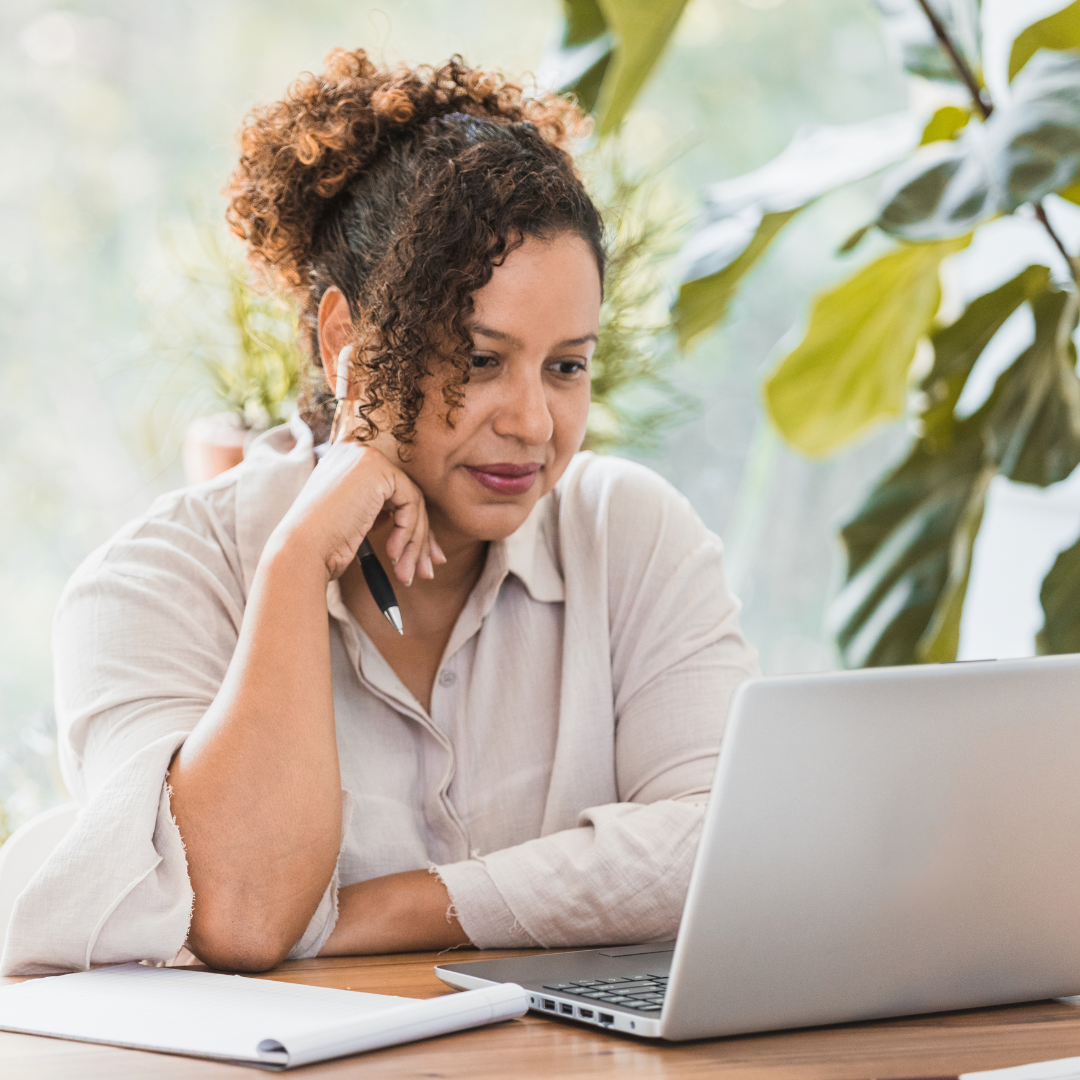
(403, 1023)
(1059, 1069)
(174, 1009)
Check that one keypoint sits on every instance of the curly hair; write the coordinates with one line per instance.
(404, 187)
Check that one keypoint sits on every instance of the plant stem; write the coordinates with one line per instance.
(985, 107)
(967, 76)
(1040, 213)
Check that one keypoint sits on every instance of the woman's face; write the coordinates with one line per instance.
(527, 400)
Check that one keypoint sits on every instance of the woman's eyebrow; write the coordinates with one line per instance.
(498, 335)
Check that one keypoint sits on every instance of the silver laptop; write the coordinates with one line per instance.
(877, 843)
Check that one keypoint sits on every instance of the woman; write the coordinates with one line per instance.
(268, 769)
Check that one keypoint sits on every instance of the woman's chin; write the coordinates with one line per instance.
(491, 521)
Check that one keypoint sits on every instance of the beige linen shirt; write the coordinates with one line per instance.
(556, 785)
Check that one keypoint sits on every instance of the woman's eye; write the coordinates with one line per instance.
(479, 360)
(568, 367)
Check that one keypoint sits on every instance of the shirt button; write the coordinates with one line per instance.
(447, 678)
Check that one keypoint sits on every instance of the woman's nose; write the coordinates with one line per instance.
(523, 412)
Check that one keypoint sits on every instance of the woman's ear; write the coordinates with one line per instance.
(335, 330)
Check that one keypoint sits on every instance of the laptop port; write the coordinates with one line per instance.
(606, 1018)
(567, 1009)
(549, 1004)
(585, 1014)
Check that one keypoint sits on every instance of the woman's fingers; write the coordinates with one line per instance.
(349, 492)
(406, 514)
(425, 569)
(415, 544)
(410, 539)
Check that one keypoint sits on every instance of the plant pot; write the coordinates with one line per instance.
(213, 444)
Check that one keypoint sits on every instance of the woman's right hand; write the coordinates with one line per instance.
(343, 498)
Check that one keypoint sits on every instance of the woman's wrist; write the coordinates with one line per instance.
(290, 555)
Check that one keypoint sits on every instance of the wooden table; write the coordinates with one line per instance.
(534, 1046)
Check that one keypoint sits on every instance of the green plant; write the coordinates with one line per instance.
(632, 397)
(607, 49)
(910, 546)
(256, 374)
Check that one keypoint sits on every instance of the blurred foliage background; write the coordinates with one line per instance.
(117, 122)
(988, 166)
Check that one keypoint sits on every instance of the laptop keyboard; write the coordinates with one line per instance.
(643, 993)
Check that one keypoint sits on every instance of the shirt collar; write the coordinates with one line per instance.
(528, 554)
(531, 553)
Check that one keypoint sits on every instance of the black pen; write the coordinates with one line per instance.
(378, 583)
(382, 591)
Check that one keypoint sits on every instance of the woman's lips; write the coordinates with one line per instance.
(505, 478)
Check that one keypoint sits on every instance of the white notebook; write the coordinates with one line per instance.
(247, 1021)
(1059, 1069)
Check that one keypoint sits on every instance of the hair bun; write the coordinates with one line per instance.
(392, 104)
(301, 152)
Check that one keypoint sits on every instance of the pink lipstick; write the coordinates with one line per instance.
(506, 478)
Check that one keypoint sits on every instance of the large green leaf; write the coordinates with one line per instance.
(819, 159)
(1028, 148)
(943, 191)
(940, 641)
(849, 373)
(912, 38)
(1060, 596)
(642, 29)
(704, 301)
(1051, 450)
(741, 216)
(1058, 31)
(956, 349)
(910, 546)
(959, 345)
(1033, 417)
(909, 554)
(584, 54)
(1034, 144)
(607, 51)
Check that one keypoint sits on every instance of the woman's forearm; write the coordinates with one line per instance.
(256, 788)
(405, 912)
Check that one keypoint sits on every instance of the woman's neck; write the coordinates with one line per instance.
(433, 605)
(429, 608)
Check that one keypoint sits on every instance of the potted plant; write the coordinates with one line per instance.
(255, 377)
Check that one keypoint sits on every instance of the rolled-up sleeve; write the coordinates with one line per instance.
(619, 878)
(677, 655)
(142, 640)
